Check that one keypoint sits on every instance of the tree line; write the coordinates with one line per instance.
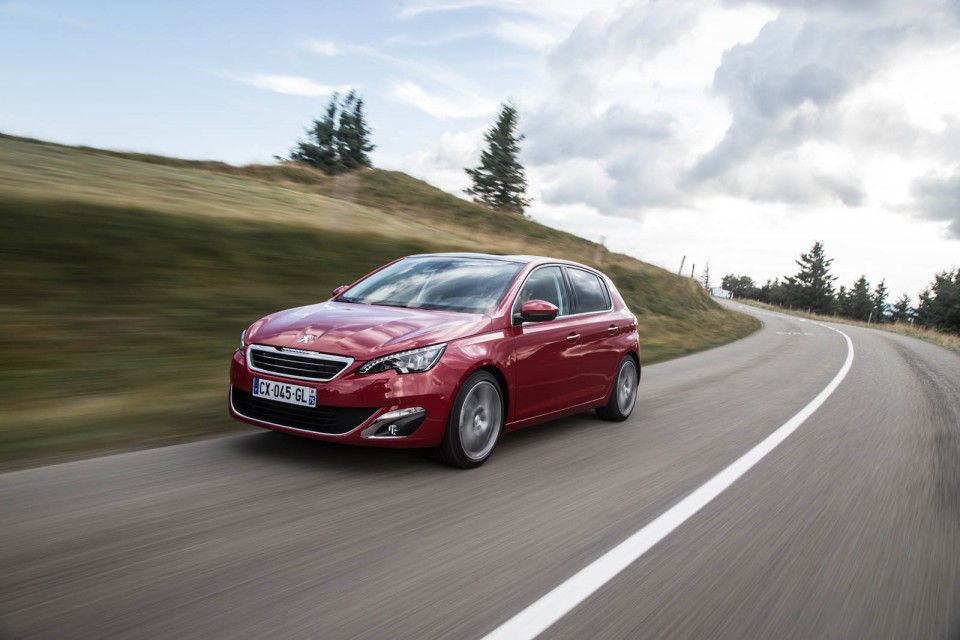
(812, 289)
(340, 142)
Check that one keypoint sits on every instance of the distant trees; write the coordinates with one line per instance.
(741, 286)
(340, 140)
(939, 306)
(353, 136)
(859, 304)
(842, 305)
(880, 302)
(902, 312)
(773, 292)
(500, 181)
(812, 287)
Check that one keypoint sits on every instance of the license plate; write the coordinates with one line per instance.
(283, 392)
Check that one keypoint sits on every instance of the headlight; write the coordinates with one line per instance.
(413, 361)
(252, 330)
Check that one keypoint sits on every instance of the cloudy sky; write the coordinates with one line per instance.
(733, 133)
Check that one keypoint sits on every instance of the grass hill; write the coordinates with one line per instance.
(127, 278)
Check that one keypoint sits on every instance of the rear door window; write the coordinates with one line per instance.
(591, 292)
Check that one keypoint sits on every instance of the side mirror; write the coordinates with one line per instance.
(340, 289)
(538, 311)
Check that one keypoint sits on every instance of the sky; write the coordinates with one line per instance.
(727, 133)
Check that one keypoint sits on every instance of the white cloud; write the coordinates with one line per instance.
(325, 47)
(937, 196)
(413, 9)
(521, 32)
(566, 12)
(442, 108)
(576, 181)
(293, 85)
(830, 120)
(532, 32)
(440, 38)
(444, 166)
(532, 24)
(452, 95)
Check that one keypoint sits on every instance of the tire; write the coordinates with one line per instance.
(623, 395)
(475, 422)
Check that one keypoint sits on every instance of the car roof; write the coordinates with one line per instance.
(524, 259)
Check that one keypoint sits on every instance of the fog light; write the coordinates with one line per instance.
(396, 424)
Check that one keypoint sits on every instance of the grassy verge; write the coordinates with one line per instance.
(118, 323)
(126, 283)
(947, 340)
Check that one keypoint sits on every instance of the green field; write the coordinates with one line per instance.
(126, 280)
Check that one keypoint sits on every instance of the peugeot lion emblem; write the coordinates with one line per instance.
(307, 338)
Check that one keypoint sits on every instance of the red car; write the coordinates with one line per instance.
(442, 350)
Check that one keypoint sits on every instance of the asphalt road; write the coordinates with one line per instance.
(848, 529)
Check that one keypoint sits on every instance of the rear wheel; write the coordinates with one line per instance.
(623, 396)
(475, 422)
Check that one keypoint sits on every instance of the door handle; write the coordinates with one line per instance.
(612, 329)
(573, 338)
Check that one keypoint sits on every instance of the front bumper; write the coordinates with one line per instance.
(353, 407)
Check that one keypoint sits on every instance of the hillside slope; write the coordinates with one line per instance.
(127, 279)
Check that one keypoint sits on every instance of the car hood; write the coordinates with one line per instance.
(363, 331)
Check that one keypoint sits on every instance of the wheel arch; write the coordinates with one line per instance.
(633, 355)
(502, 381)
(636, 360)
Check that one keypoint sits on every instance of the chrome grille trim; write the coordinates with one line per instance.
(296, 363)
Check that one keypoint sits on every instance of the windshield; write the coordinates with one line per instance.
(467, 285)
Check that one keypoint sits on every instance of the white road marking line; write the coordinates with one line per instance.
(536, 618)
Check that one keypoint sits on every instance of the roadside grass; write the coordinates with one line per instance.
(386, 202)
(126, 282)
(946, 340)
(118, 324)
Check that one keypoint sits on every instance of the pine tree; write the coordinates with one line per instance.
(705, 277)
(773, 292)
(924, 314)
(353, 135)
(360, 145)
(842, 305)
(321, 148)
(861, 302)
(339, 141)
(939, 306)
(880, 302)
(500, 182)
(901, 309)
(812, 288)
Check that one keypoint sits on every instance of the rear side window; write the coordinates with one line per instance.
(590, 290)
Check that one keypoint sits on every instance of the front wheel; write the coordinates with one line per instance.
(475, 422)
(623, 396)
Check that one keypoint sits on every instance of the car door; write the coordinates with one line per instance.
(597, 355)
(548, 372)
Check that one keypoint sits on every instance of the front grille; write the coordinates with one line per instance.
(282, 362)
(322, 419)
